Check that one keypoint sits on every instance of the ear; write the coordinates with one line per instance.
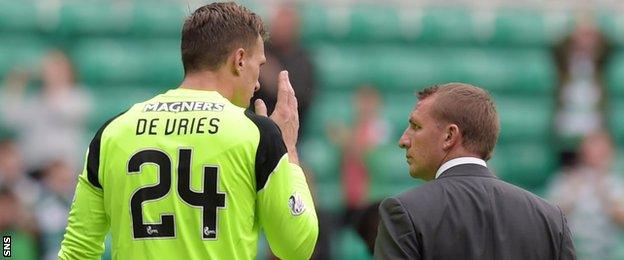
(238, 60)
(452, 136)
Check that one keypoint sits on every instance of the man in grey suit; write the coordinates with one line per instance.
(464, 211)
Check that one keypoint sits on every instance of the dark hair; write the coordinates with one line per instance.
(471, 109)
(213, 31)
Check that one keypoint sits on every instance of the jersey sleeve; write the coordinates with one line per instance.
(287, 213)
(87, 224)
(285, 207)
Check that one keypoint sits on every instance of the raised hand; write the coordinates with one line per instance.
(285, 115)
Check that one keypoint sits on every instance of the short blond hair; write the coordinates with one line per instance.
(471, 109)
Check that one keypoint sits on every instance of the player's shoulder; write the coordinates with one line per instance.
(109, 123)
(265, 125)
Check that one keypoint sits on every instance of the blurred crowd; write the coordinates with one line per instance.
(44, 111)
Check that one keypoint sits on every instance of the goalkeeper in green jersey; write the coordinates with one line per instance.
(192, 174)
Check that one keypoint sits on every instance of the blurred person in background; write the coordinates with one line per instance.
(592, 197)
(13, 176)
(580, 60)
(284, 52)
(14, 223)
(59, 181)
(366, 225)
(368, 131)
(50, 123)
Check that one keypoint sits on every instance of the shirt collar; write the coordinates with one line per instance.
(458, 161)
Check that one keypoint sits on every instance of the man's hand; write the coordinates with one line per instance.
(285, 115)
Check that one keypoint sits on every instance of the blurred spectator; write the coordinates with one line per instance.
(368, 131)
(50, 123)
(593, 198)
(283, 52)
(367, 225)
(581, 60)
(13, 176)
(14, 223)
(59, 181)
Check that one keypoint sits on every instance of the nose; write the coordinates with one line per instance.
(257, 86)
(404, 141)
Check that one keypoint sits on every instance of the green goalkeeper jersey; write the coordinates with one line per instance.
(189, 175)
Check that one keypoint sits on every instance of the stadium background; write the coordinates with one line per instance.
(126, 51)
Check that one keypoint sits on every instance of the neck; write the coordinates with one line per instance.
(210, 81)
(457, 153)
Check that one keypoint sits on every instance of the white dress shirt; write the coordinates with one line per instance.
(457, 161)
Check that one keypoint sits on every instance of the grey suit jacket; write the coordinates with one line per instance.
(468, 213)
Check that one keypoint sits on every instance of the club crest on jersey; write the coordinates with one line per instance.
(183, 106)
(296, 205)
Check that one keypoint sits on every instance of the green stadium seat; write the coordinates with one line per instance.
(328, 110)
(387, 164)
(163, 62)
(328, 196)
(616, 119)
(373, 24)
(359, 23)
(111, 101)
(20, 52)
(366, 23)
(447, 26)
(488, 69)
(534, 72)
(526, 164)
(315, 24)
(322, 158)
(380, 191)
(525, 118)
(396, 108)
(403, 70)
(610, 24)
(350, 246)
(18, 16)
(95, 18)
(333, 108)
(399, 69)
(164, 19)
(504, 71)
(389, 172)
(108, 62)
(615, 75)
(340, 68)
(619, 250)
(346, 68)
(529, 27)
(618, 166)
